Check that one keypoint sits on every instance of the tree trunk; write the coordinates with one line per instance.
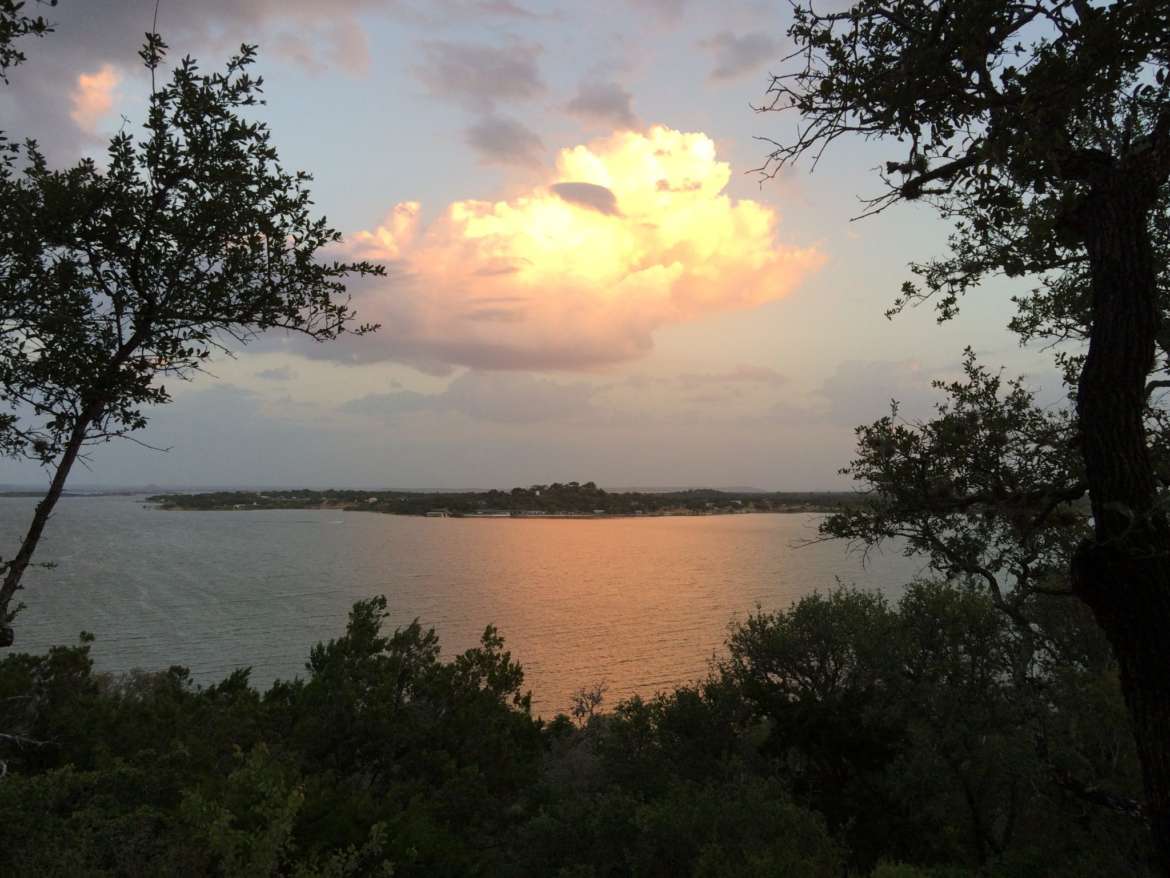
(19, 563)
(1123, 572)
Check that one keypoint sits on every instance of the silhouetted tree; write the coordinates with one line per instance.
(189, 240)
(14, 23)
(1043, 130)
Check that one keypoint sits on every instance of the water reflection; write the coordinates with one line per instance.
(641, 604)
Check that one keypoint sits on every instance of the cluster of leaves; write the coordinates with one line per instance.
(994, 102)
(189, 239)
(989, 488)
(118, 277)
(1008, 114)
(1042, 131)
(925, 739)
(14, 23)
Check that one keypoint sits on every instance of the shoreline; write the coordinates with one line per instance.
(563, 501)
(559, 516)
(529, 516)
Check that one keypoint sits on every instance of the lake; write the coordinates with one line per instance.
(640, 604)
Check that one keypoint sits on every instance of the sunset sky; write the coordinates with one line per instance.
(584, 278)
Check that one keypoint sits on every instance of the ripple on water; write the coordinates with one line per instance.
(641, 604)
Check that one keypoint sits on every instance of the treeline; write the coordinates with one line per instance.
(843, 736)
(557, 498)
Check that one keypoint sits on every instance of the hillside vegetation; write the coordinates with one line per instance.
(843, 736)
(572, 498)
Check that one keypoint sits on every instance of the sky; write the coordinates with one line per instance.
(585, 278)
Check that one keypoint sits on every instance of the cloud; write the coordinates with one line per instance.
(476, 75)
(281, 373)
(502, 398)
(343, 44)
(605, 103)
(670, 10)
(506, 9)
(544, 282)
(443, 13)
(859, 391)
(396, 233)
(93, 98)
(588, 195)
(91, 35)
(504, 140)
(737, 55)
(314, 35)
(760, 375)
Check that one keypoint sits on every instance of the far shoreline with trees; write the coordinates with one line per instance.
(557, 500)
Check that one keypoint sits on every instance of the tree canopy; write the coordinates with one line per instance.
(1042, 131)
(15, 23)
(926, 738)
(115, 277)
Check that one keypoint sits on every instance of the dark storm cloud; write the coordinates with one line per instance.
(504, 140)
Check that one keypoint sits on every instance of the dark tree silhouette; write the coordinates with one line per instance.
(191, 240)
(1043, 130)
(14, 23)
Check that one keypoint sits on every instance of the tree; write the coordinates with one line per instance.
(191, 239)
(13, 24)
(1043, 131)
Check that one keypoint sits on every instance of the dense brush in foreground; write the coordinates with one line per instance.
(842, 736)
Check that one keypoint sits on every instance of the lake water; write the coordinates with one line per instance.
(640, 604)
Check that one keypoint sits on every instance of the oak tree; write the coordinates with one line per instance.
(1042, 130)
(116, 277)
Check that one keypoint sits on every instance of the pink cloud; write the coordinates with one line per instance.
(93, 98)
(548, 281)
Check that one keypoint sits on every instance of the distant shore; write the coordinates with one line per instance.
(572, 500)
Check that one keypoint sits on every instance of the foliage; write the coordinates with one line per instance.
(1003, 111)
(990, 488)
(188, 239)
(116, 278)
(923, 738)
(14, 23)
(1042, 131)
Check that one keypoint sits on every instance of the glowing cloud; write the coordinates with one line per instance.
(93, 97)
(633, 232)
